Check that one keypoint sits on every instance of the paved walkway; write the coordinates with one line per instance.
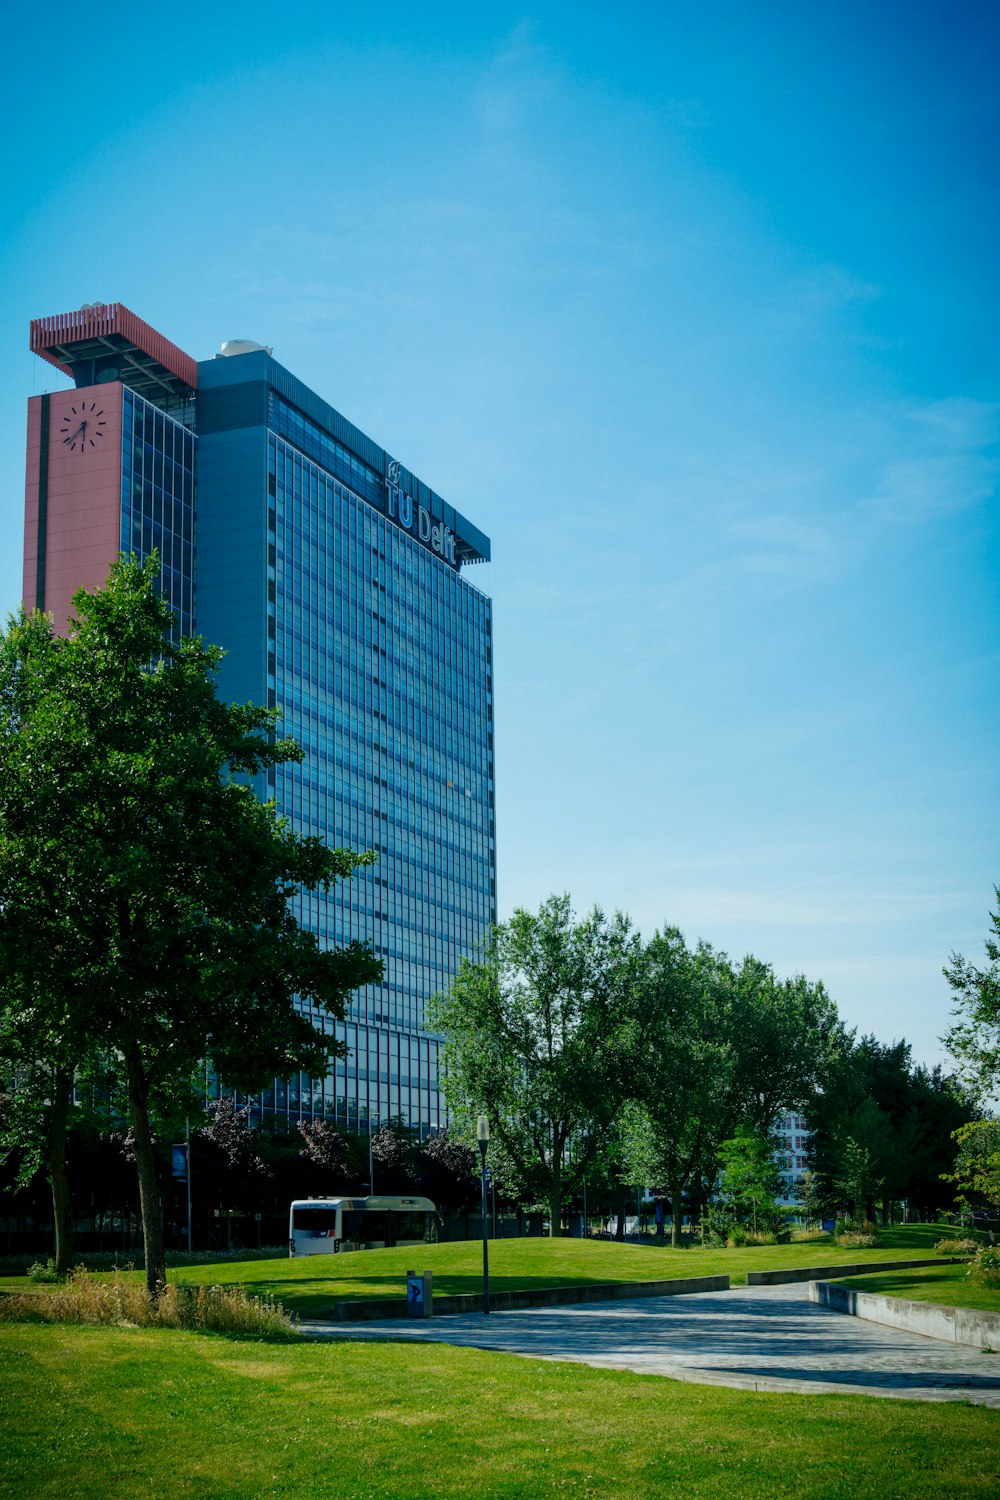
(757, 1338)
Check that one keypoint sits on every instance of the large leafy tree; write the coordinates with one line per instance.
(715, 1048)
(977, 1164)
(679, 1070)
(144, 887)
(750, 1182)
(784, 1033)
(533, 1033)
(882, 1127)
(975, 1037)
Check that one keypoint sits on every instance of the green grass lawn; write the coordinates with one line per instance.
(130, 1414)
(311, 1285)
(948, 1285)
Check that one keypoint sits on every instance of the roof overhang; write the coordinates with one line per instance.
(106, 341)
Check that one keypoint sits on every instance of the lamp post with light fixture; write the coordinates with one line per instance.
(483, 1137)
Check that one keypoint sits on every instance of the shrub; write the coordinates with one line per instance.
(740, 1235)
(716, 1226)
(84, 1298)
(856, 1234)
(984, 1268)
(957, 1246)
(46, 1272)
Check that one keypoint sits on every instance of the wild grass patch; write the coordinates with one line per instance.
(957, 1246)
(120, 1299)
(752, 1237)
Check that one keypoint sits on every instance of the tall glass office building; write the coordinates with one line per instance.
(157, 500)
(334, 578)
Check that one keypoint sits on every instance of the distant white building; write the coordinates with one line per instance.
(790, 1155)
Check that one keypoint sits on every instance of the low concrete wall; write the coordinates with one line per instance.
(862, 1268)
(365, 1311)
(956, 1325)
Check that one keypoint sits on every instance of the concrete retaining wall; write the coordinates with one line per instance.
(956, 1325)
(862, 1268)
(365, 1311)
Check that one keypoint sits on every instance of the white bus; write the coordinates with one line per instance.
(328, 1226)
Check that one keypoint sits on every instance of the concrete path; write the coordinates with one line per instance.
(758, 1338)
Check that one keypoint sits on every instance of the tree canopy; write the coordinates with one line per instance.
(144, 887)
(975, 1037)
(882, 1127)
(716, 1048)
(532, 1036)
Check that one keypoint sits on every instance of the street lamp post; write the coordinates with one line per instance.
(483, 1137)
(187, 1163)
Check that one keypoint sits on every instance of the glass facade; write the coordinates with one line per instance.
(158, 499)
(340, 601)
(332, 577)
(379, 658)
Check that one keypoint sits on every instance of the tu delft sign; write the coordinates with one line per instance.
(417, 518)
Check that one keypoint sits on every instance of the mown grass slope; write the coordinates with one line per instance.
(948, 1285)
(138, 1414)
(311, 1285)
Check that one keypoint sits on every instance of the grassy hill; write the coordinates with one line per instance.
(311, 1285)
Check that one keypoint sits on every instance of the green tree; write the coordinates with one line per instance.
(810, 1195)
(783, 1034)
(715, 1048)
(36, 1101)
(750, 1181)
(43, 1037)
(857, 1182)
(899, 1117)
(975, 1038)
(679, 1067)
(532, 1037)
(977, 1165)
(144, 888)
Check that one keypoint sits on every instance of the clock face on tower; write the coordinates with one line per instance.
(83, 427)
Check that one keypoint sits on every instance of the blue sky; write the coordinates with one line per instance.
(694, 311)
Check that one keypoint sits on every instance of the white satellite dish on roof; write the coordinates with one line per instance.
(244, 346)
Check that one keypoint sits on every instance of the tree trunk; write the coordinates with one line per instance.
(555, 1205)
(62, 1211)
(675, 1216)
(149, 1188)
(620, 1230)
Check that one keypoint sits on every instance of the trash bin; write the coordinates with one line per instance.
(419, 1295)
